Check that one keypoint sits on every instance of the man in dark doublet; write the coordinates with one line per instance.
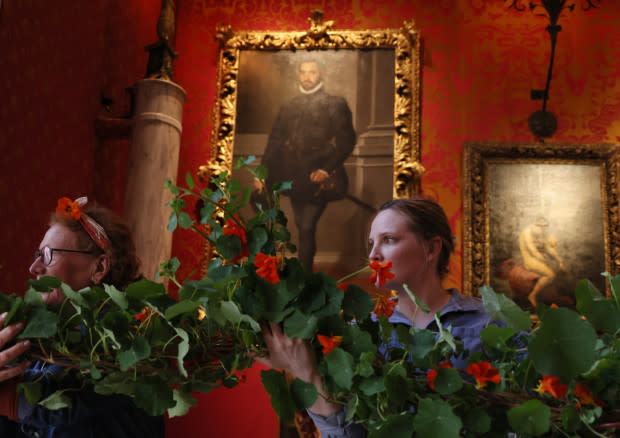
(310, 140)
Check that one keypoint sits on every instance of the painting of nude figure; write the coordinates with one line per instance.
(538, 218)
(546, 225)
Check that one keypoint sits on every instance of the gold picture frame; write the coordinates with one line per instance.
(403, 127)
(538, 217)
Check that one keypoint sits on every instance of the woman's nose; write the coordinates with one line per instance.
(375, 254)
(37, 267)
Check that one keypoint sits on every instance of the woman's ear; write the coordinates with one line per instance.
(100, 268)
(433, 248)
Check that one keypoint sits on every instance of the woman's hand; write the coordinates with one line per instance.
(8, 355)
(295, 356)
(289, 354)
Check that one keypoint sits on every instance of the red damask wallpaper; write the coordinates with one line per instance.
(480, 61)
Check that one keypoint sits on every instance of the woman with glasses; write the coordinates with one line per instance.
(82, 247)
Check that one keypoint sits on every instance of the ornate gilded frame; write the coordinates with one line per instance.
(406, 43)
(476, 231)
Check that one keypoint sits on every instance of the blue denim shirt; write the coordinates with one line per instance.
(467, 318)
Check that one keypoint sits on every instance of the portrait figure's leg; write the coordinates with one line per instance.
(307, 215)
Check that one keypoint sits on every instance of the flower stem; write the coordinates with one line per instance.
(359, 271)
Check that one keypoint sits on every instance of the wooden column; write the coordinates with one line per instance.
(153, 157)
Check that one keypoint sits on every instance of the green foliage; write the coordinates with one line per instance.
(158, 350)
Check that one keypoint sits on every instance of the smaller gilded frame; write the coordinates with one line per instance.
(538, 218)
(376, 72)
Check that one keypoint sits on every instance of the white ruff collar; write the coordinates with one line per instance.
(316, 88)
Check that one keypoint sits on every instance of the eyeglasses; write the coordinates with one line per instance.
(46, 253)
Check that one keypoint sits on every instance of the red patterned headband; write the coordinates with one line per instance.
(69, 209)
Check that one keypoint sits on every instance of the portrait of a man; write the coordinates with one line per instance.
(310, 139)
(322, 120)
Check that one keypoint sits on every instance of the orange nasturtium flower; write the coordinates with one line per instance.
(329, 342)
(342, 286)
(380, 271)
(551, 385)
(483, 372)
(384, 305)
(432, 374)
(267, 267)
(586, 397)
(142, 316)
(68, 209)
(232, 228)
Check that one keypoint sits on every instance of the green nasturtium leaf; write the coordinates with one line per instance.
(173, 222)
(279, 393)
(115, 383)
(416, 341)
(570, 418)
(532, 418)
(448, 381)
(41, 324)
(500, 307)
(183, 348)
(228, 246)
(564, 345)
(139, 350)
(602, 313)
(372, 385)
(418, 302)
(356, 341)
(180, 308)
(153, 395)
(44, 284)
(398, 387)
(88, 365)
(340, 366)
(57, 400)
(496, 337)
(477, 421)
(304, 394)
(117, 296)
(300, 325)
(144, 289)
(33, 298)
(256, 238)
(395, 426)
(357, 303)
(183, 401)
(436, 419)
(75, 297)
(32, 391)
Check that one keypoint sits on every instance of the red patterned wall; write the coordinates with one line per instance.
(56, 58)
(480, 62)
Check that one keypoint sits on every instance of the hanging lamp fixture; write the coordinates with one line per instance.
(543, 123)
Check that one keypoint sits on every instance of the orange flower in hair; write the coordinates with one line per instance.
(68, 209)
(483, 372)
(329, 342)
(384, 305)
(267, 267)
(551, 385)
(380, 271)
